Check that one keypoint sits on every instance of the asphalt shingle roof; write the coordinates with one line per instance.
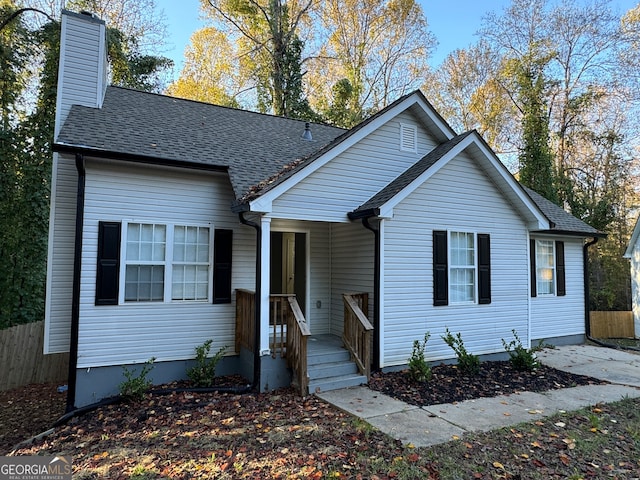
(562, 221)
(258, 150)
(253, 146)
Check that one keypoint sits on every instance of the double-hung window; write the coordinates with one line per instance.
(461, 268)
(191, 263)
(145, 262)
(547, 267)
(162, 262)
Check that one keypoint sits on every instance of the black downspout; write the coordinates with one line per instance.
(587, 299)
(256, 347)
(75, 298)
(376, 294)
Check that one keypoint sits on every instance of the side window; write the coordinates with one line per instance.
(461, 268)
(547, 267)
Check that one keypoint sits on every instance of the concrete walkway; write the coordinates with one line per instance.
(434, 424)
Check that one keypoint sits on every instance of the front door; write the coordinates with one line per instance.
(288, 267)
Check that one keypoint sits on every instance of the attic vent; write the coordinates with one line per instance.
(408, 138)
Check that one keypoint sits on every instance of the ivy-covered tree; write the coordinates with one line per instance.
(26, 137)
(535, 158)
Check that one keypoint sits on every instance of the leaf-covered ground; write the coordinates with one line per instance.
(282, 435)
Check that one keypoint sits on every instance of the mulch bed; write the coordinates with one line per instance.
(449, 385)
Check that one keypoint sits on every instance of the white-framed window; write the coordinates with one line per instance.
(545, 267)
(462, 267)
(166, 262)
(408, 138)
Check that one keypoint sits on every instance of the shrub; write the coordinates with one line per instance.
(419, 369)
(204, 372)
(135, 386)
(468, 363)
(521, 358)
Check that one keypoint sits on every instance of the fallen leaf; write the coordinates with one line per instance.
(498, 465)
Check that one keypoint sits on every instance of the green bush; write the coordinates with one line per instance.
(136, 385)
(204, 372)
(468, 363)
(521, 358)
(419, 369)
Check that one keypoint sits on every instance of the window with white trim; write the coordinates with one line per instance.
(164, 262)
(545, 267)
(462, 267)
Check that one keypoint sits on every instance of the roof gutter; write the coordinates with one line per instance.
(144, 159)
(258, 302)
(75, 295)
(376, 293)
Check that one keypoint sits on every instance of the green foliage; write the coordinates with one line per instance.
(419, 369)
(521, 358)
(343, 111)
(26, 138)
(535, 158)
(136, 385)
(25, 186)
(129, 67)
(204, 372)
(468, 363)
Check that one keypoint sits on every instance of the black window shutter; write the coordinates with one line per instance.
(440, 269)
(532, 260)
(222, 254)
(561, 288)
(484, 269)
(108, 271)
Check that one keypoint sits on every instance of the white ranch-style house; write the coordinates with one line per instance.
(313, 253)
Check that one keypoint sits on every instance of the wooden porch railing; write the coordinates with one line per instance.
(297, 334)
(288, 336)
(288, 331)
(245, 319)
(358, 330)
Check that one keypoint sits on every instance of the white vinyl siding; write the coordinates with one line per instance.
(135, 332)
(60, 255)
(557, 316)
(352, 265)
(459, 197)
(633, 252)
(353, 177)
(83, 68)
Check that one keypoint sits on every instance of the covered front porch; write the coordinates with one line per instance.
(318, 362)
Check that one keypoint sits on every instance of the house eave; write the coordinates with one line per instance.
(135, 158)
(569, 233)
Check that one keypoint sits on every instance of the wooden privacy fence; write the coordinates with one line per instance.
(22, 361)
(612, 325)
